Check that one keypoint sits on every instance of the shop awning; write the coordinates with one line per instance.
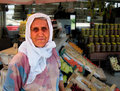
(32, 1)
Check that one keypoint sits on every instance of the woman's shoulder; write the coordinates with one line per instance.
(19, 58)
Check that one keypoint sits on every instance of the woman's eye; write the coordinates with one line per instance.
(35, 29)
(44, 29)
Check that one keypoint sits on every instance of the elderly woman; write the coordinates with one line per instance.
(36, 66)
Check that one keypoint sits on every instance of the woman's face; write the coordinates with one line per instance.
(40, 32)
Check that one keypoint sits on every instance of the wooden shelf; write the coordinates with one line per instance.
(102, 55)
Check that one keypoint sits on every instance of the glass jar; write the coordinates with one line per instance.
(113, 47)
(103, 47)
(87, 31)
(108, 46)
(118, 46)
(96, 38)
(96, 31)
(107, 38)
(116, 32)
(107, 31)
(101, 38)
(111, 31)
(83, 31)
(91, 31)
(104, 32)
(97, 47)
(86, 39)
(92, 47)
(116, 26)
(112, 38)
(100, 32)
(117, 38)
(90, 38)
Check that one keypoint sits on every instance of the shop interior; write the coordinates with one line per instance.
(87, 35)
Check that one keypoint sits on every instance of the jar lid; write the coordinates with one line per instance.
(106, 35)
(113, 43)
(90, 35)
(97, 43)
(112, 35)
(118, 43)
(91, 43)
(117, 35)
(108, 43)
(101, 35)
(103, 43)
(96, 35)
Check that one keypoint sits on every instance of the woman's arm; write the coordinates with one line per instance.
(61, 86)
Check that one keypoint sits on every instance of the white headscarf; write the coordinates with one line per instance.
(37, 56)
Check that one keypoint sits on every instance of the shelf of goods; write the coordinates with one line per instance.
(102, 40)
(5, 57)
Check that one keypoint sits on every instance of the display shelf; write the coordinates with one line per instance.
(99, 56)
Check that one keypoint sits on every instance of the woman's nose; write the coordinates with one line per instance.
(40, 32)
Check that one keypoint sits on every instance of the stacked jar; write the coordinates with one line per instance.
(118, 46)
(107, 38)
(113, 47)
(97, 47)
(108, 46)
(103, 47)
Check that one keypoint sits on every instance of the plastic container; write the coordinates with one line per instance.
(101, 38)
(107, 38)
(108, 47)
(113, 47)
(97, 47)
(112, 38)
(103, 47)
(96, 38)
(117, 38)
